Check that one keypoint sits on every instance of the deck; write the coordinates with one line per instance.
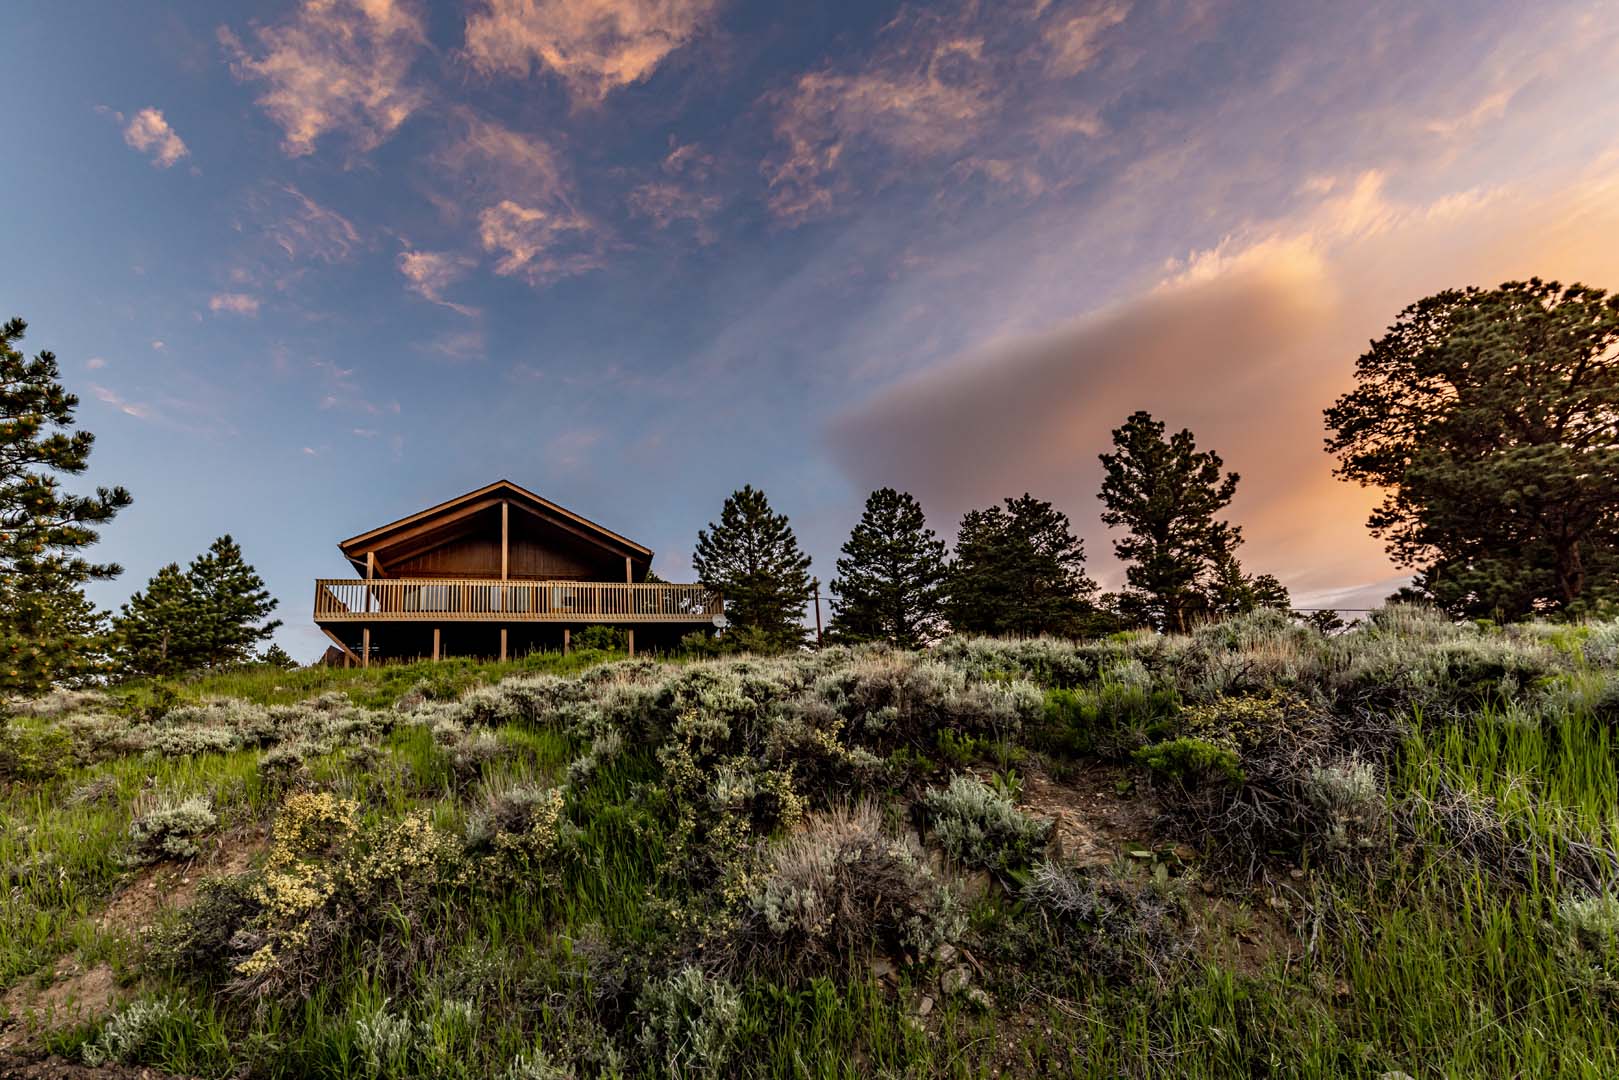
(351, 600)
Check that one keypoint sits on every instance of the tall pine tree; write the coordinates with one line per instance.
(49, 632)
(753, 558)
(211, 614)
(891, 575)
(1166, 493)
(1019, 570)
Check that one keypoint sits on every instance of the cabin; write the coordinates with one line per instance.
(498, 572)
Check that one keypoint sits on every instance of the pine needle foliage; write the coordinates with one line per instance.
(48, 631)
(891, 575)
(752, 556)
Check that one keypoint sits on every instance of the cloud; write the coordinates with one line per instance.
(593, 46)
(336, 66)
(96, 363)
(538, 244)
(951, 82)
(128, 408)
(148, 132)
(301, 228)
(682, 193)
(429, 273)
(1245, 343)
(234, 303)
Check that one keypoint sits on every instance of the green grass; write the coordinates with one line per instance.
(1430, 961)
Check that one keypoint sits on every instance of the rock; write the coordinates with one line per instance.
(1395, 1074)
(956, 980)
(883, 970)
(924, 1006)
(945, 953)
(979, 999)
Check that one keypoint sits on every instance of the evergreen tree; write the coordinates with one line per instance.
(1166, 493)
(277, 657)
(1487, 417)
(157, 629)
(1019, 570)
(1231, 591)
(890, 578)
(210, 614)
(49, 632)
(233, 604)
(753, 558)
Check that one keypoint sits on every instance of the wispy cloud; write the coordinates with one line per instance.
(234, 303)
(148, 132)
(335, 66)
(117, 401)
(429, 273)
(539, 245)
(940, 83)
(593, 46)
(301, 228)
(682, 193)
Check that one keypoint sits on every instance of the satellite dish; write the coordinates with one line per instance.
(721, 622)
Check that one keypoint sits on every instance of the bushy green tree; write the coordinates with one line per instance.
(49, 632)
(1019, 570)
(891, 575)
(752, 557)
(210, 614)
(1166, 494)
(1488, 418)
(1232, 591)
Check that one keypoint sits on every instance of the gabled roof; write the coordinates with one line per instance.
(355, 547)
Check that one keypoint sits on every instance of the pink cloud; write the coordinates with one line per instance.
(593, 46)
(234, 303)
(336, 66)
(148, 132)
(429, 273)
(538, 244)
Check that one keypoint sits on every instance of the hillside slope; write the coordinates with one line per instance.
(1251, 851)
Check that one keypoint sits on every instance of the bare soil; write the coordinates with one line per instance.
(16, 1067)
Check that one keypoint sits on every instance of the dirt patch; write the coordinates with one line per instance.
(1095, 823)
(169, 886)
(13, 1067)
(76, 994)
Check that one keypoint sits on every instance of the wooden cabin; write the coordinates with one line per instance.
(498, 572)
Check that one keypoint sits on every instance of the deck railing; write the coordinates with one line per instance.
(461, 599)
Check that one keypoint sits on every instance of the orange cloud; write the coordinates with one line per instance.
(336, 66)
(537, 244)
(594, 46)
(1245, 344)
(429, 273)
(234, 303)
(148, 132)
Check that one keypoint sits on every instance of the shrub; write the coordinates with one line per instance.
(689, 1021)
(1191, 762)
(515, 836)
(385, 1039)
(1111, 718)
(978, 826)
(30, 754)
(841, 887)
(604, 638)
(1106, 925)
(170, 830)
(130, 1032)
(1350, 803)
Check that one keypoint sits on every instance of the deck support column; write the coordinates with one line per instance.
(365, 647)
(567, 641)
(435, 643)
(503, 644)
(631, 635)
(629, 571)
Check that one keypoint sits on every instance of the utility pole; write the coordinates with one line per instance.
(815, 583)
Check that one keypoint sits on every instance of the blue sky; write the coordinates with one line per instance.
(314, 265)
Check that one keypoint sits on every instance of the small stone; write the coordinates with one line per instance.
(945, 953)
(924, 1006)
(979, 999)
(883, 969)
(956, 980)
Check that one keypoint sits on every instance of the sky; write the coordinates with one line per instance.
(314, 265)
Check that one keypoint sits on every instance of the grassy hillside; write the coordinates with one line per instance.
(1252, 851)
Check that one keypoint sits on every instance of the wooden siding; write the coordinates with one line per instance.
(459, 599)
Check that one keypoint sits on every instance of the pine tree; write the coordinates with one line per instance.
(1231, 591)
(890, 578)
(1487, 419)
(753, 558)
(49, 632)
(157, 629)
(1166, 493)
(234, 604)
(1019, 570)
(210, 614)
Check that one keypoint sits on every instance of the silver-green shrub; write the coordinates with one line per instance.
(689, 1022)
(130, 1031)
(978, 826)
(170, 830)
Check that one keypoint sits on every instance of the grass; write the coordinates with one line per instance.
(1441, 950)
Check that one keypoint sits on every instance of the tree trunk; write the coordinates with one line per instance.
(1570, 568)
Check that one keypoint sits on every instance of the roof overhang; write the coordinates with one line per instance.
(422, 526)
